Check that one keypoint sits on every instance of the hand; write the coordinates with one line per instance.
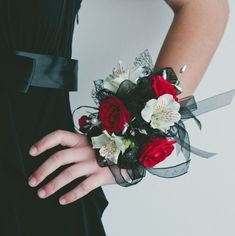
(85, 164)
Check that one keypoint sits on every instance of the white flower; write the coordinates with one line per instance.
(161, 112)
(110, 145)
(120, 74)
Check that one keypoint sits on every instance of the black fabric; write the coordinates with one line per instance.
(39, 26)
(23, 69)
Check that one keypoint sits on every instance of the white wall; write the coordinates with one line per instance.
(202, 202)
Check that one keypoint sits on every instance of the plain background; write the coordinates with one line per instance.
(202, 202)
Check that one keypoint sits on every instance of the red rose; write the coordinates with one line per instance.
(113, 114)
(155, 151)
(161, 86)
(82, 121)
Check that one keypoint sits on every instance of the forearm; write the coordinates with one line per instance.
(192, 39)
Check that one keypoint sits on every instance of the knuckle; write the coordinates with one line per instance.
(50, 187)
(72, 196)
(68, 174)
(93, 164)
(40, 173)
(59, 132)
(82, 139)
(90, 152)
(39, 145)
(94, 160)
(58, 156)
(84, 186)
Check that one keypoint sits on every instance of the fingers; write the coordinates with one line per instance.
(62, 137)
(58, 159)
(66, 176)
(82, 189)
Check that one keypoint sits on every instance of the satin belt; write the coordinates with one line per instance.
(20, 69)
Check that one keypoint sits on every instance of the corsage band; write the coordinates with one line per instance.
(20, 69)
(138, 121)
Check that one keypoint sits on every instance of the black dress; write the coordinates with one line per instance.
(40, 26)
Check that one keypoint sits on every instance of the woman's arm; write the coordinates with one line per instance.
(192, 39)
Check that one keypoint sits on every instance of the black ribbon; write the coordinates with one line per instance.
(189, 110)
(134, 96)
(20, 69)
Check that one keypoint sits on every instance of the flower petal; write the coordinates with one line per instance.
(165, 112)
(135, 73)
(148, 110)
(110, 84)
(99, 141)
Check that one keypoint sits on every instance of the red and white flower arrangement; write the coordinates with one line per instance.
(139, 120)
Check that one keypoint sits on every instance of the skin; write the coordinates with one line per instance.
(192, 39)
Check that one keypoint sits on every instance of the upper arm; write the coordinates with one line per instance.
(223, 5)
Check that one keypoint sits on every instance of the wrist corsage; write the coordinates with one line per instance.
(139, 120)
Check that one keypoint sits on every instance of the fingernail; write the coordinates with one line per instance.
(32, 181)
(41, 193)
(33, 150)
(62, 201)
